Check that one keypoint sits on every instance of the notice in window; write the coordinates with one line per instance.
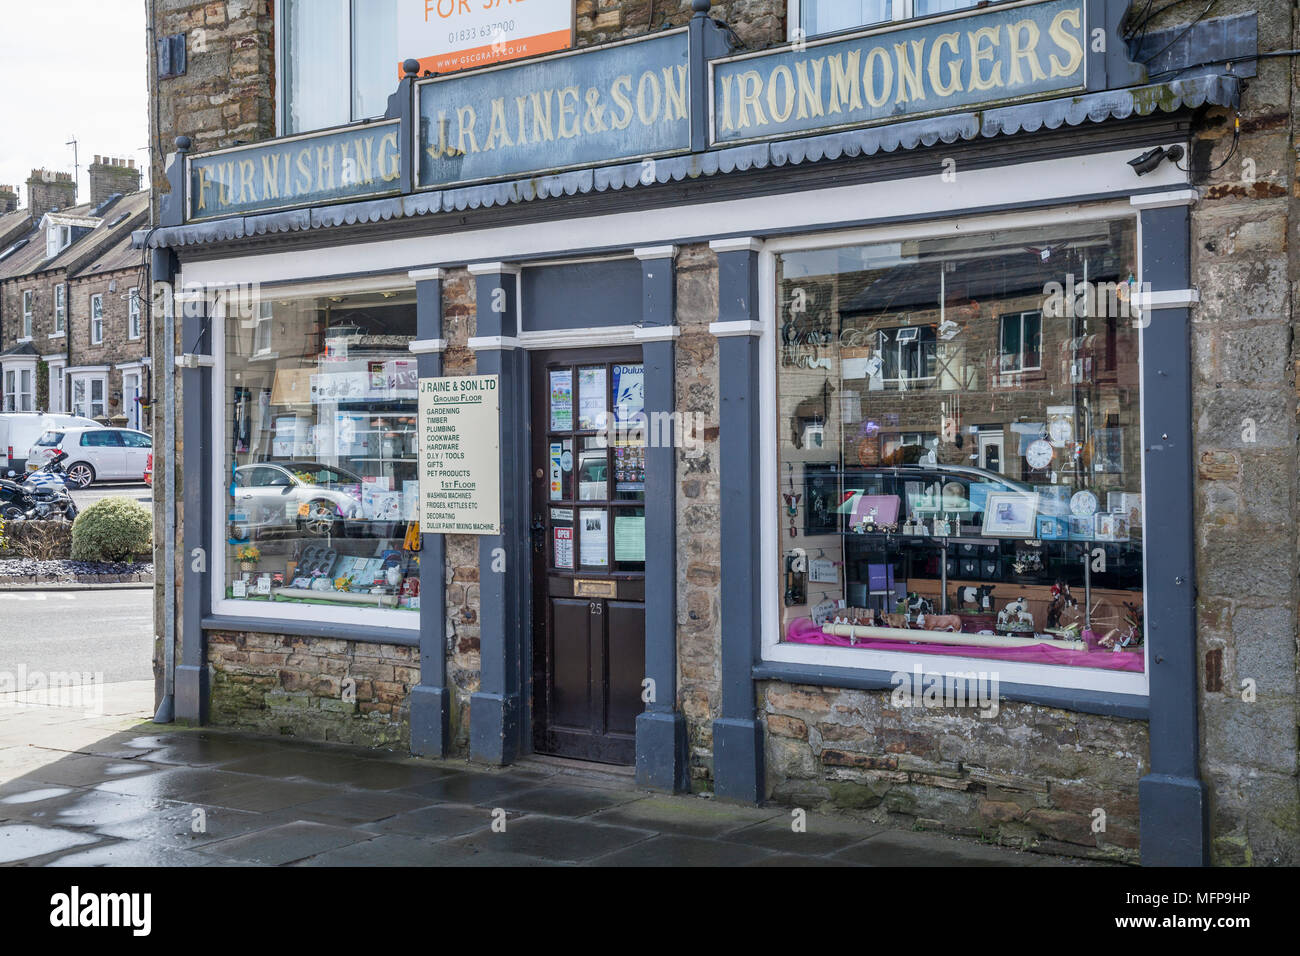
(629, 538)
(460, 455)
(595, 538)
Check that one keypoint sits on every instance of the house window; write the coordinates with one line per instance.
(56, 388)
(88, 395)
(60, 307)
(133, 313)
(318, 439)
(338, 61)
(18, 393)
(1021, 348)
(97, 318)
(57, 238)
(818, 17)
(28, 295)
(918, 493)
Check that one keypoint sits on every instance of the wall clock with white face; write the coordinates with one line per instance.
(1060, 430)
(1039, 454)
(1083, 504)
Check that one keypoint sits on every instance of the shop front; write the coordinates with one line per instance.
(809, 425)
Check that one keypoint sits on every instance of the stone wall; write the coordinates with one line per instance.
(756, 23)
(699, 535)
(312, 687)
(1032, 777)
(1244, 263)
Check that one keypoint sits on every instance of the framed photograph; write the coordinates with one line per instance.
(821, 486)
(1108, 451)
(1110, 527)
(1010, 514)
(1082, 528)
(1053, 528)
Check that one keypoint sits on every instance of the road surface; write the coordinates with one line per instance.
(134, 491)
(108, 632)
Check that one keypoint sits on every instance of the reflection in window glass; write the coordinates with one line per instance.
(831, 16)
(374, 56)
(959, 444)
(315, 64)
(320, 446)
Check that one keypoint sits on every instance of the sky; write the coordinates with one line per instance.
(71, 68)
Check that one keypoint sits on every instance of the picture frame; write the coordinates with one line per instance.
(1110, 526)
(1082, 528)
(1010, 514)
(1053, 527)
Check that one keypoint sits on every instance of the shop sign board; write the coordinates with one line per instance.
(450, 35)
(968, 60)
(626, 101)
(460, 455)
(354, 162)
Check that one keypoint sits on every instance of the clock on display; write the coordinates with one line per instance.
(1060, 430)
(1039, 454)
(1083, 504)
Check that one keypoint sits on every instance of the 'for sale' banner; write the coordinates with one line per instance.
(450, 35)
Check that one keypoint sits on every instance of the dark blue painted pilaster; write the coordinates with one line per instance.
(1174, 808)
(431, 699)
(661, 747)
(737, 734)
(496, 716)
(708, 40)
(197, 487)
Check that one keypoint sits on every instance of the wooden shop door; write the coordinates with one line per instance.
(588, 543)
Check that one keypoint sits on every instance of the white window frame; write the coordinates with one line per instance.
(1022, 367)
(97, 319)
(90, 376)
(401, 620)
(133, 313)
(1046, 676)
(901, 10)
(29, 322)
(60, 310)
(56, 388)
(282, 76)
(15, 399)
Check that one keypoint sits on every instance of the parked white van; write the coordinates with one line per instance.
(20, 430)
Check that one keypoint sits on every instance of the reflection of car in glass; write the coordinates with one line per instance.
(593, 474)
(923, 491)
(304, 495)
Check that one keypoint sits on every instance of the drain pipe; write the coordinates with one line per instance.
(167, 706)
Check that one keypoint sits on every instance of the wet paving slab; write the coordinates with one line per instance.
(139, 796)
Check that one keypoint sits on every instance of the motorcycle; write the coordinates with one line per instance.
(40, 495)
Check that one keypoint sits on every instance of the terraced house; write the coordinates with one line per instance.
(73, 324)
(883, 405)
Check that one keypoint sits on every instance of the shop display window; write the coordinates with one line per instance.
(320, 485)
(959, 446)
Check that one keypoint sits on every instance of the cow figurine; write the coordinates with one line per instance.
(939, 622)
(980, 597)
(917, 606)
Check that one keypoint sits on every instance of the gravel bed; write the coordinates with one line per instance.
(27, 571)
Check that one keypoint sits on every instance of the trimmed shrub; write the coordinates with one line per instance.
(112, 529)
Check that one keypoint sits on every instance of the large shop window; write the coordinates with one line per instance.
(319, 443)
(959, 442)
(338, 61)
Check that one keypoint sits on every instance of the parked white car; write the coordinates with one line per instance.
(19, 430)
(94, 454)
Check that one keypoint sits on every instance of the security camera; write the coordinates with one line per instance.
(1151, 158)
